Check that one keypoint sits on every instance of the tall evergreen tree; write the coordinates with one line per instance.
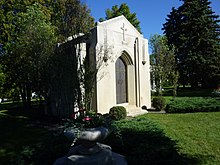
(122, 10)
(194, 30)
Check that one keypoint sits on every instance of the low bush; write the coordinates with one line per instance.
(142, 142)
(159, 103)
(193, 104)
(118, 113)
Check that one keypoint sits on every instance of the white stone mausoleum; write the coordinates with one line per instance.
(124, 77)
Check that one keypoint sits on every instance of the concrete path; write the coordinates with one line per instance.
(133, 111)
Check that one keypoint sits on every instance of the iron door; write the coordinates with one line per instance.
(121, 81)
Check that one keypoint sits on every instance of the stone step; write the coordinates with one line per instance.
(134, 111)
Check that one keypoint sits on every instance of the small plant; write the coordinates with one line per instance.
(216, 92)
(118, 113)
(84, 120)
(159, 103)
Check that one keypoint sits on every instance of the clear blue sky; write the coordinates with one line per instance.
(150, 13)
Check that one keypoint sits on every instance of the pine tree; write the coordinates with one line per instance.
(194, 30)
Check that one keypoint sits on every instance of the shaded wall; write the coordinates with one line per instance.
(64, 81)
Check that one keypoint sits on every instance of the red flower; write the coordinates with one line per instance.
(87, 118)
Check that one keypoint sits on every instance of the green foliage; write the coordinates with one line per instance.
(159, 103)
(193, 29)
(86, 120)
(142, 141)
(122, 10)
(191, 138)
(2, 82)
(193, 104)
(32, 50)
(23, 141)
(163, 64)
(30, 31)
(118, 113)
(27, 38)
(71, 17)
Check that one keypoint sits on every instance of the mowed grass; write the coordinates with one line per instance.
(197, 135)
(186, 138)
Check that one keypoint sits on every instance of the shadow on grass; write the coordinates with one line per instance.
(145, 144)
(139, 139)
(24, 143)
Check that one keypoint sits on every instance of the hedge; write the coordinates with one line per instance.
(193, 104)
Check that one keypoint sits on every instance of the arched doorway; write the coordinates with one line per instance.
(121, 81)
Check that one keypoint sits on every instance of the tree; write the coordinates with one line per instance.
(9, 10)
(122, 10)
(71, 17)
(163, 64)
(194, 30)
(19, 30)
(26, 33)
(33, 47)
(31, 58)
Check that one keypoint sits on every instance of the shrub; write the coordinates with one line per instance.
(196, 104)
(118, 113)
(159, 103)
(142, 141)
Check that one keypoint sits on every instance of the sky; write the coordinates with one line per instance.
(150, 13)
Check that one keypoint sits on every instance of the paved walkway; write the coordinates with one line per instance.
(154, 111)
(135, 111)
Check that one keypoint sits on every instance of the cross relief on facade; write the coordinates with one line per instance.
(124, 29)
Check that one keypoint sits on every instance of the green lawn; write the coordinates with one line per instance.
(197, 135)
(192, 138)
(187, 138)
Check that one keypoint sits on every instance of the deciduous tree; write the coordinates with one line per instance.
(163, 64)
(122, 10)
(34, 45)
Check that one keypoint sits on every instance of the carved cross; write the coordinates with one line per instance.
(124, 29)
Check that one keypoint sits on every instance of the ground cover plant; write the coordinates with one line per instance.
(190, 100)
(193, 104)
